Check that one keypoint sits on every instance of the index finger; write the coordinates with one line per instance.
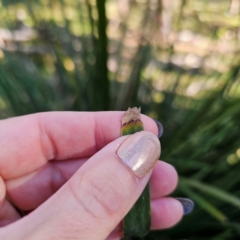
(28, 142)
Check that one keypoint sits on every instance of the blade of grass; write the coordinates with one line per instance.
(207, 206)
(102, 82)
(213, 191)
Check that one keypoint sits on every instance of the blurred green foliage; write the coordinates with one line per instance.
(178, 60)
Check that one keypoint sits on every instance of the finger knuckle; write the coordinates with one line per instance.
(98, 197)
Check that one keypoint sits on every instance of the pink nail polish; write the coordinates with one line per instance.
(140, 152)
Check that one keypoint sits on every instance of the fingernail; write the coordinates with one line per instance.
(187, 204)
(140, 152)
(160, 128)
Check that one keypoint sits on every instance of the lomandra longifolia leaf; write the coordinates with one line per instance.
(138, 220)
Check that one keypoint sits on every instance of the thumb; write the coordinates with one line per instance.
(97, 197)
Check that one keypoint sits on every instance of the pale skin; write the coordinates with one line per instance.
(62, 166)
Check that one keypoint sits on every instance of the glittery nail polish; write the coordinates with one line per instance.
(160, 128)
(187, 204)
(140, 152)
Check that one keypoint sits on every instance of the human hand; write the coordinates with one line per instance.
(64, 166)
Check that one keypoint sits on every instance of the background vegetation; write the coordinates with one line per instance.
(178, 60)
